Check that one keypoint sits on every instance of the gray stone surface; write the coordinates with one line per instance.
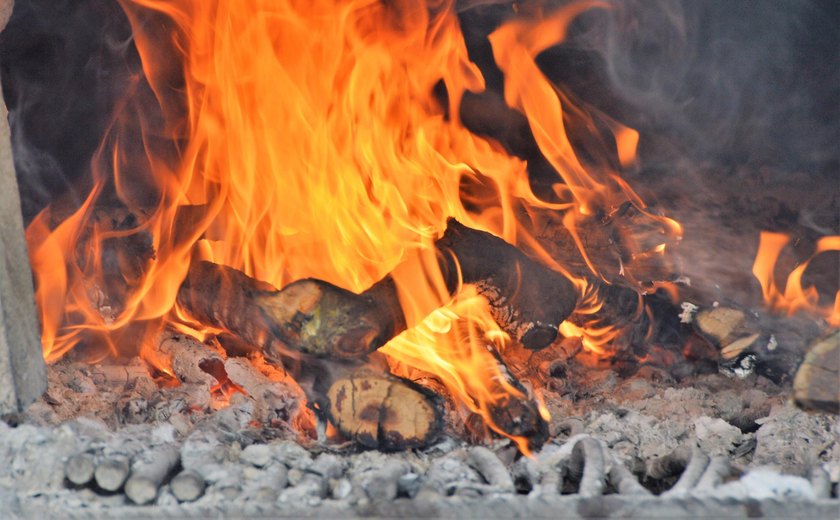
(23, 376)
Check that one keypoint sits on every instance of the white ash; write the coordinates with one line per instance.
(244, 468)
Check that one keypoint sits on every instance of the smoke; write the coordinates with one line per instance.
(738, 106)
(64, 64)
(731, 81)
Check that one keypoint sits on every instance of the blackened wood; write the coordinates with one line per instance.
(528, 299)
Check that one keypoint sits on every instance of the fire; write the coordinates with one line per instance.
(794, 298)
(304, 139)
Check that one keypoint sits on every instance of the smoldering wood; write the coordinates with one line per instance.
(273, 400)
(517, 415)
(149, 471)
(746, 344)
(23, 375)
(816, 385)
(134, 373)
(528, 299)
(187, 356)
(622, 242)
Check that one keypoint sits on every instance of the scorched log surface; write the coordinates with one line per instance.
(527, 298)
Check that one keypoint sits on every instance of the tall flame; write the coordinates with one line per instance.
(309, 137)
(794, 298)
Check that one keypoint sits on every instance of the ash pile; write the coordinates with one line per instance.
(107, 440)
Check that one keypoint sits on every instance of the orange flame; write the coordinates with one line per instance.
(309, 136)
(795, 298)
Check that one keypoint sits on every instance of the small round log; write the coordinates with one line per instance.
(112, 472)
(188, 485)
(80, 468)
(149, 472)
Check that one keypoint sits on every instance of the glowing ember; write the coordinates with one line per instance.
(308, 143)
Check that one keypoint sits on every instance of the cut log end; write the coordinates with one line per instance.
(816, 386)
(382, 411)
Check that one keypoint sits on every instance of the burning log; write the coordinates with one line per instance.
(528, 299)
(379, 410)
(190, 359)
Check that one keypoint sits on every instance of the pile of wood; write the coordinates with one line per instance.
(332, 332)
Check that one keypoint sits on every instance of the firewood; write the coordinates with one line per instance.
(112, 472)
(695, 466)
(820, 482)
(378, 410)
(748, 345)
(381, 485)
(624, 481)
(817, 382)
(528, 299)
(187, 485)
(491, 468)
(588, 465)
(718, 469)
(188, 357)
(517, 415)
(727, 328)
(79, 469)
(149, 471)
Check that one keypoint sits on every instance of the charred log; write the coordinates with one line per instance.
(528, 299)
